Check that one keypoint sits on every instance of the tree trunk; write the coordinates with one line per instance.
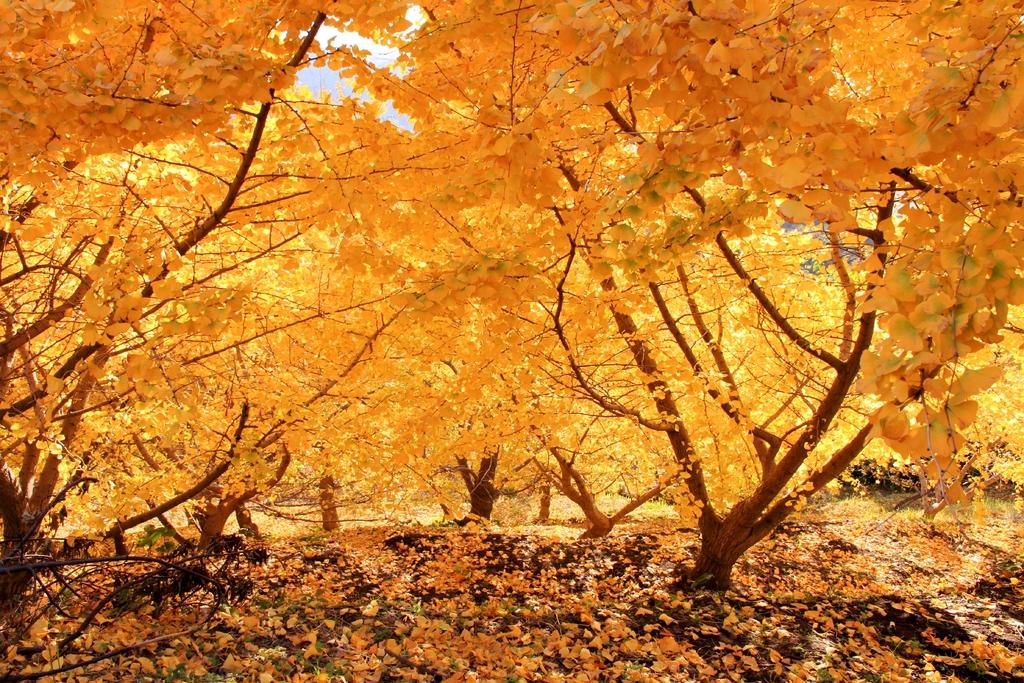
(544, 514)
(120, 545)
(713, 568)
(481, 501)
(328, 506)
(722, 543)
(480, 485)
(11, 508)
(571, 484)
(600, 523)
(12, 586)
(213, 519)
(14, 530)
(245, 522)
(216, 514)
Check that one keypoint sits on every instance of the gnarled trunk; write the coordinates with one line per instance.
(213, 519)
(215, 515)
(713, 568)
(574, 486)
(723, 541)
(720, 548)
(480, 486)
(481, 500)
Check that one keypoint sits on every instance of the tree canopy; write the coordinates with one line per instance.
(713, 250)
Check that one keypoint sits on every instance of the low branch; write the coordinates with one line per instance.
(123, 525)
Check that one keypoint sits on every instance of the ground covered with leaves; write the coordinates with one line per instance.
(825, 599)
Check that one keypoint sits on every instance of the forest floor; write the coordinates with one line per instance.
(839, 593)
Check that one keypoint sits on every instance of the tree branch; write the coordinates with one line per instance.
(123, 525)
(769, 307)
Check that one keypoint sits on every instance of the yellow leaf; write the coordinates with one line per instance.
(165, 57)
(792, 174)
(963, 414)
(795, 212)
(895, 427)
(999, 111)
(1016, 294)
(166, 289)
(904, 334)
(233, 665)
(974, 381)
(78, 99)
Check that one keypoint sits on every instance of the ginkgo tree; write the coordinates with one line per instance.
(756, 233)
(622, 142)
(133, 218)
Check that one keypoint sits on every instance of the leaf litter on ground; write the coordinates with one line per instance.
(824, 599)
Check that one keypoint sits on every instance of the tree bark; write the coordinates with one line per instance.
(481, 501)
(245, 521)
(480, 485)
(544, 514)
(720, 548)
(573, 486)
(12, 507)
(713, 571)
(328, 505)
(213, 519)
(600, 524)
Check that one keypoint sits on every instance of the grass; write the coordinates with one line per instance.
(877, 506)
(882, 506)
